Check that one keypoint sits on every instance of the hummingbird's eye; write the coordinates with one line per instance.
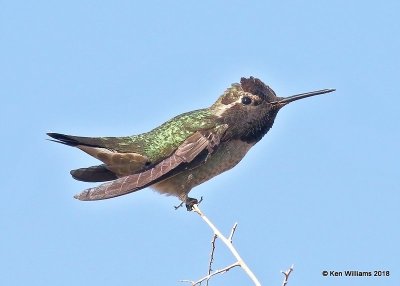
(246, 100)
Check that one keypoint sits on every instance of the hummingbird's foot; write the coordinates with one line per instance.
(190, 202)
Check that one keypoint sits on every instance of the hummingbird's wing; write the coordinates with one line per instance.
(128, 155)
(192, 147)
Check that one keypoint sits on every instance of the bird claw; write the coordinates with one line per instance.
(190, 202)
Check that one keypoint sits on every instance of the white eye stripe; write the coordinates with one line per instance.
(221, 111)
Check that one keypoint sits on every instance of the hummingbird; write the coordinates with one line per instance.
(185, 151)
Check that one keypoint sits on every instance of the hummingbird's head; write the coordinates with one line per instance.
(250, 108)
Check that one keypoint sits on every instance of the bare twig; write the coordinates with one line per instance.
(220, 271)
(212, 253)
(232, 232)
(179, 206)
(287, 274)
(240, 262)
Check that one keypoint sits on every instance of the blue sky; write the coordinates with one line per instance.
(320, 191)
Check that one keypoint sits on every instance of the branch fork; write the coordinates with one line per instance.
(228, 242)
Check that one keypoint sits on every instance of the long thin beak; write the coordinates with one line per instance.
(288, 99)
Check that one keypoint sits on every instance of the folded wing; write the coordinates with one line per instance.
(205, 140)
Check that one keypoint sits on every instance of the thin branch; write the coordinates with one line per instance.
(223, 270)
(228, 243)
(232, 232)
(212, 253)
(179, 206)
(287, 274)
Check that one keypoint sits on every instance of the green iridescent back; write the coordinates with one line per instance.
(163, 140)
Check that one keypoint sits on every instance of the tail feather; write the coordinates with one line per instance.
(75, 140)
(93, 174)
(91, 146)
